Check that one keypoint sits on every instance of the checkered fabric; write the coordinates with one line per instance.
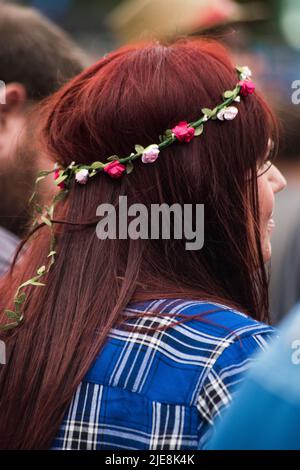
(158, 384)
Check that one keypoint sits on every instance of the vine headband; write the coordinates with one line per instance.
(115, 167)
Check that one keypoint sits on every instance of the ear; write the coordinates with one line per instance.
(15, 98)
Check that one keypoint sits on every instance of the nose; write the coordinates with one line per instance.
(277, 180)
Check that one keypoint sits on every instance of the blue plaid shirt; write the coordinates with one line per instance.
(160, 384)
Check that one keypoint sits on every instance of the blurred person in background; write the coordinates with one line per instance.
(266, 412)
(135, 19)
(36, 58)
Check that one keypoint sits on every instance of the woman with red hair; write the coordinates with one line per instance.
(140, 343)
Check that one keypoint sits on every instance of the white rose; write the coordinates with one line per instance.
(227, 113)
(245, 73)
(82, 176)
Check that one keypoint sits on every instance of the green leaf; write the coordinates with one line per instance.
(11, 314)
(21, 298)
(112, 158)
(129, 167)
(32, 197)
(208, 112)
(51, 211)
(139, 148)
(96, 165)
(46, 221)
(39, 178)
(31, 282)
(41, 270)
(60, 179)
(199, 130)
(167, 135)
(228, 94)
(38, 209)
(26, 283)
(10, 326)
(35, 283)
(44, 173)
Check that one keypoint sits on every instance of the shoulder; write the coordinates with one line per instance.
(204, 318)
(162, 341)
(213, 339)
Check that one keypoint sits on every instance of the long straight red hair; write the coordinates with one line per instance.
(130, 97)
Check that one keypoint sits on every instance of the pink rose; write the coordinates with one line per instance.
(55, 176)
(183, 132)
(247, 87)
(114, 169)
(150, 154)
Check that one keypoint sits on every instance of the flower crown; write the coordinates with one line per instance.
(115, 167)
(182, 132)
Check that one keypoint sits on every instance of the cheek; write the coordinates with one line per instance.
(266, 205)
(266, 198)
(12, 135)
